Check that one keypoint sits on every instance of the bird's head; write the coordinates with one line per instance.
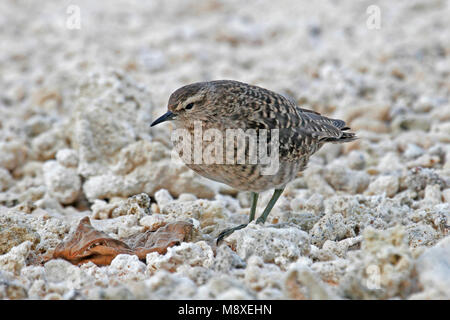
(191, 102)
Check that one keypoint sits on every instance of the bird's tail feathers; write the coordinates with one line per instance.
(345, 137)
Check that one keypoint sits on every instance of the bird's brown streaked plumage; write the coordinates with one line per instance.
(229, 104)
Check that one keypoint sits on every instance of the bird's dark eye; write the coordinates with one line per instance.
(189, 106)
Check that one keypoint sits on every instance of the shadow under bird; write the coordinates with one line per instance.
(228, 104)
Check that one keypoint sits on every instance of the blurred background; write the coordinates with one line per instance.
(381, 66)
(391, 57)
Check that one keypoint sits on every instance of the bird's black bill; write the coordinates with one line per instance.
(165, 117)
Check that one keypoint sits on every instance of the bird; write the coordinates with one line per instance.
(221, 106)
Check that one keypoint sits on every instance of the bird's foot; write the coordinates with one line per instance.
(227, 232)
(260, 220)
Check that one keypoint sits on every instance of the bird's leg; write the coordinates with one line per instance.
(227, 232)
(253, 207)
(276, 194)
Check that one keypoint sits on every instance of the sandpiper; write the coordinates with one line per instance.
(227, 104)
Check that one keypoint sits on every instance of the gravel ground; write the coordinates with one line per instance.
(366, 220)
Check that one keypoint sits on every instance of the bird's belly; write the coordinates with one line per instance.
(248, 177)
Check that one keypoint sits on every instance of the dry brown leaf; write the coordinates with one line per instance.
(88, 244)
(158, 241)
